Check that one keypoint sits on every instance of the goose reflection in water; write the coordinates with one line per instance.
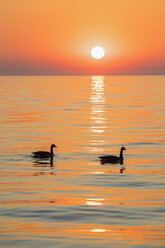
(122, 169)
(41, 163)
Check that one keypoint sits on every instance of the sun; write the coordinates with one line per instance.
(97, 52)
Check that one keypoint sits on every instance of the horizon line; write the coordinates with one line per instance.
(87, 74)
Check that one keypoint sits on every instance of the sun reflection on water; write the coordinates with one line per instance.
(98, 230)
(97, 100)
(94, 201)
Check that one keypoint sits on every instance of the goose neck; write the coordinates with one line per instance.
(121, 154)
(51, 150)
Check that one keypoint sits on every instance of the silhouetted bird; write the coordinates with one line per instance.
(43, 154)
(113, 159)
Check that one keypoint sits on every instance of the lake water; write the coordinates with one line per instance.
(75, 201)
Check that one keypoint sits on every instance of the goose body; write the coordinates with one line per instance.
(44, 154)
(113, 159)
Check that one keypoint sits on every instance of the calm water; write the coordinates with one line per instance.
(76, 201)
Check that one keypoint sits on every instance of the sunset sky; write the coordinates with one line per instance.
(56, 36)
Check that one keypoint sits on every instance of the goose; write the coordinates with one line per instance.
(43, 154)
(113, 159)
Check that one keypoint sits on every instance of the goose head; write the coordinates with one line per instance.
(53, 145)
(123, 148)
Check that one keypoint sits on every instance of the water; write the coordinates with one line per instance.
(76, 201)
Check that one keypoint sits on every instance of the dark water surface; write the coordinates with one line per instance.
(76, 201)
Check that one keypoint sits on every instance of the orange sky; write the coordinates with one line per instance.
(56, 36)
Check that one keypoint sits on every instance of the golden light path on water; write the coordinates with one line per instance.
(97, 129)
(97, 100)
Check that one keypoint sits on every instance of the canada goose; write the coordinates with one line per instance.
(113, 159)
(43, 154)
